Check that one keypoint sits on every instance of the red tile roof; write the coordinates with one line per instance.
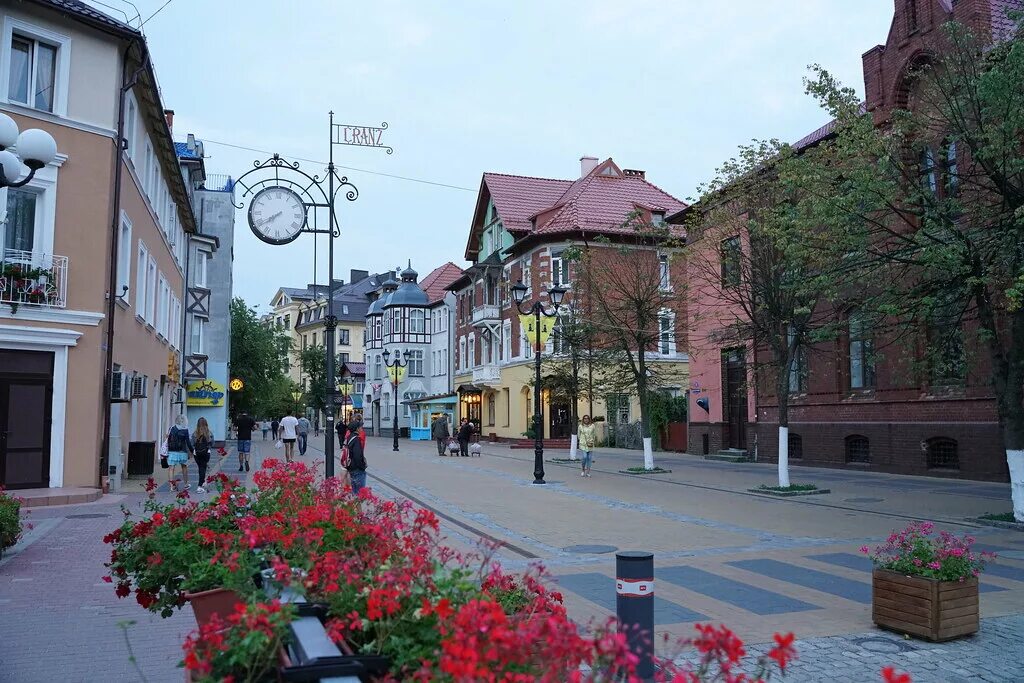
(595, 202)
(437, 281)
(1003, 27)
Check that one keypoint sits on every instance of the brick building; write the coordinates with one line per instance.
(855, 409)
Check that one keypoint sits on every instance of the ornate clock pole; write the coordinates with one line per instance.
(279, 211)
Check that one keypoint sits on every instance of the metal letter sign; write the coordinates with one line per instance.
(360, 136)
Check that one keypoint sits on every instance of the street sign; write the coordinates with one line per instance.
(236, 384)
(360, 136)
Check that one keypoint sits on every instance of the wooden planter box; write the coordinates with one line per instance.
(927, 608)
(219, 601)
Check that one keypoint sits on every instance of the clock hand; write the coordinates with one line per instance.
(269, 219)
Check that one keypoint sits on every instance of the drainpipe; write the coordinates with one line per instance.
(115, 234)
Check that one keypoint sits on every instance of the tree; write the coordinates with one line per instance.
(764, 273)
(629, 310)
(258, 355)
(313, 362)
(937, 194)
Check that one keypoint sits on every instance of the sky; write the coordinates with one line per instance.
(466, 87)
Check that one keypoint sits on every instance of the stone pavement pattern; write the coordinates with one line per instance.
(758, 565)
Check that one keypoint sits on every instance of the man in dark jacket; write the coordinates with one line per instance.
(439, 430)
(356, 457)
(465, 433)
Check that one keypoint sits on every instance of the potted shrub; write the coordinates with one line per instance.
(10, 521)
(926, 584)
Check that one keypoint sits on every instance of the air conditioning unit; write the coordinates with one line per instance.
(120, 387)
(139, 386)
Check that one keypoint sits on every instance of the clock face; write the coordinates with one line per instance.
(277, 215)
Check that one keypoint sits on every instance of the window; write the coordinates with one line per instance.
(196, 345)
(471, 352)
(862, 347)
(417, 322)
(490, 409)
(463, 361)
(561, 335)
(378, 366)
(163, 307)
(525, 347)
(343, 337)
(415, 363)
(797, 367)
(731, 261)
(151, 291)
(657, 218)
(343, 358)
(199, 268)
(506, 340)
(952, 175)
(911, 6)
(22, 217)
(942, 453)
(929, 182)
(796, 446)
(527, 276)
(617, 406)
(288, 323)
(667, 333)
(947, 361)
(858, 449)
(32, 79)
(148, 170)
(140, 281)
(663, 269)
(559, 270)
(131, 112)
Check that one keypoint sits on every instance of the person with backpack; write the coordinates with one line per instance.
(302, 434)
(202, 442)
(354, 456)
(179, 449)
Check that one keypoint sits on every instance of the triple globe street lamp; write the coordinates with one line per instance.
(519, 291)
(36, 148)
(397, 364)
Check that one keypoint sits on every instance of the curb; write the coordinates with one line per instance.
(790, 494)
(656, 470)
(1012, 526)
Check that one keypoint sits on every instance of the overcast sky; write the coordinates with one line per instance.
(525, 87)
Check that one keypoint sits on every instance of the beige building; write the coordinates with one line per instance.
(62, 65)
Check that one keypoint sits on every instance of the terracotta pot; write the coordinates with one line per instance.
(928, 608)
(219, 601)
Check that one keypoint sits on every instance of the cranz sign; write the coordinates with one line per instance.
(360, 136)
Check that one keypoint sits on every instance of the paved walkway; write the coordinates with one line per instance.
(757, 564)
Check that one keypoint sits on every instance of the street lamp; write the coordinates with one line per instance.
(297, 397)
(344, 387)
(537, 310)
(397, 365)
(36, 148)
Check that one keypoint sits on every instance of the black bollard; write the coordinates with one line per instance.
(634, 605)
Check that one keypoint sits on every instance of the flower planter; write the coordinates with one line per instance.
(284, 661)
(219, 601)
(928, 608)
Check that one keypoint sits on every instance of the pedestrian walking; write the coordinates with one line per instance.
(354, 455)
(244, 425)
(275, 426)
(202, 441)
(179, 450)
(316, 426)
(287, 429)
(302, 434)
(265, 426)
(439, 431)
(587, 439)
(465, 434)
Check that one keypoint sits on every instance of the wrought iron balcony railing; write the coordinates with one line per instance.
(29, 278)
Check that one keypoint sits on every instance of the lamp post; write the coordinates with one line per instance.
(297, 397)
(537, 310)
(36, 148)
(398, 364)
(344, 387)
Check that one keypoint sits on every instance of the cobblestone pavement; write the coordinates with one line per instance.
(757, 564)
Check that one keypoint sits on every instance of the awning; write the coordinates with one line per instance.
(469, 389)
(357, 401)
(433, 398)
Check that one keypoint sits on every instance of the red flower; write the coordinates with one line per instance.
(783, 651)
(890, 675)
(123, 590)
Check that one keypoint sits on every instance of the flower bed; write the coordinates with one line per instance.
(926, 584)
(10, 520)
(381, 582)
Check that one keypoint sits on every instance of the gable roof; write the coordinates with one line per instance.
(436, 283)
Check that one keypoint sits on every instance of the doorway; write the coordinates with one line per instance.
(26, 400)
(735, 398)
(560, 426)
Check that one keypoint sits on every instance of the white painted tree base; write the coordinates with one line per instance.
(648, 454)
(1015, 460)
(783, 456)
(573, 443)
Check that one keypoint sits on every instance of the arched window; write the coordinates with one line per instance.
(858, 449)
(796, 447)
(942, 453)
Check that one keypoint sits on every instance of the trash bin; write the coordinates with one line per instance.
(141, 457)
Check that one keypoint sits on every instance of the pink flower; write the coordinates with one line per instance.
(864, 549)
(917, 562)
(934, 565)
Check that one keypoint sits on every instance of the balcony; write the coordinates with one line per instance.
(486, 314)
(32, 278)
(487, 375)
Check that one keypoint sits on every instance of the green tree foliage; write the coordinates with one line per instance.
(258, 357)
(313, 360)
(936, 199)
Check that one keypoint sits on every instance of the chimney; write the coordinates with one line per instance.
(634, 173)
(587, 164)
(357, 275)
(169, 115)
